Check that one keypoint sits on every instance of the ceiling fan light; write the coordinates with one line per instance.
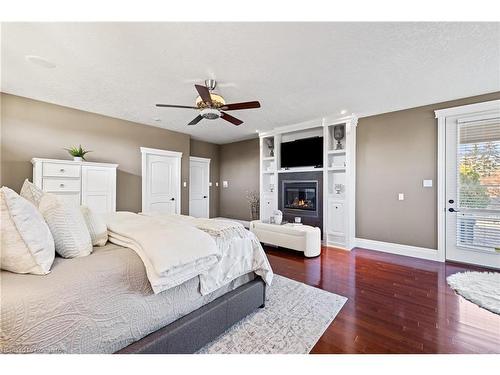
(217, 100)
(210, 113)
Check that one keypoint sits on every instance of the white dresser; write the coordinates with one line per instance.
(87, 183)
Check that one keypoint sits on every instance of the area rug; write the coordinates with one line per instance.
(481, 288)
(293, 320)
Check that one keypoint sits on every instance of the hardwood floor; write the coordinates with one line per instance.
(396, 304)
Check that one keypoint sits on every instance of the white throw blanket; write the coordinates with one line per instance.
(241, 250)
(172, 254)
(219, 228)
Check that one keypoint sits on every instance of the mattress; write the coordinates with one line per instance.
(95, 304)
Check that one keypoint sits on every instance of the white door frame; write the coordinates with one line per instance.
(441, 115)
(207, 161)
(145, 151)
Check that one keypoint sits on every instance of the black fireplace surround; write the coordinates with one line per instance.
(300, 194)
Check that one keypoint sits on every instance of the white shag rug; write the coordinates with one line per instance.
(293, 320)
(481, 288)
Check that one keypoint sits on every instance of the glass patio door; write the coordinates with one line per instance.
(473, 190)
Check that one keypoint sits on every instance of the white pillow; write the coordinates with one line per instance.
(27, 244)
(66, 222)
(96, 226)
(31, 192)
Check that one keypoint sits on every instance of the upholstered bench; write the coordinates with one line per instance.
(296, 237)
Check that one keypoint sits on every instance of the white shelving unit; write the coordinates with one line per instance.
(338, 174)
(337, 186)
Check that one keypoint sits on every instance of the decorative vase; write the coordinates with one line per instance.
(278, 217)
(255, 211)
(338, 134)
(77, 158)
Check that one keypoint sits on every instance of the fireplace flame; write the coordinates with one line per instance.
(301, 203)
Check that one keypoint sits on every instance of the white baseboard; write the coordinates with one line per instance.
(394, 248)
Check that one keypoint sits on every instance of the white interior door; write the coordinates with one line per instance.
(199, 180)
(473, 189)
(161, 181)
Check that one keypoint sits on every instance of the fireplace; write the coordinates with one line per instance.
(300, 195)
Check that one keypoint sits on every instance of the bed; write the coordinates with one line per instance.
(103, 303)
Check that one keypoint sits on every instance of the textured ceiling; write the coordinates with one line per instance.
(298, 71)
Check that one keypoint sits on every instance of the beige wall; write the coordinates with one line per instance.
(395, 152)
(239, 165)
(211, 151)
(32, 128)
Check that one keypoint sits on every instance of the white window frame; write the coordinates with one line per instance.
(460, 112)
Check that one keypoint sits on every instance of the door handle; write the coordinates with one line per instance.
(205, 196)
(451, 209)
(172, 199)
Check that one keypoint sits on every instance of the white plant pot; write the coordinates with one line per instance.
(77, 158)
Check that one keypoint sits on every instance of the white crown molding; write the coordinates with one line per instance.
(200, 159)
(469, 109)
(156, 151)
(316, 123)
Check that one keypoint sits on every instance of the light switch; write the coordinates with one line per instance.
(185, 184)
(427, 183)
(401, 197)
(210, 183)
(225, 184)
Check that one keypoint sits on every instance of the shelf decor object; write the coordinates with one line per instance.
(338, 134)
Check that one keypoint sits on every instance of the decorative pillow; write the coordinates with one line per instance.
(27, 244)
(31, 192)
(66, 222)
(96, 226)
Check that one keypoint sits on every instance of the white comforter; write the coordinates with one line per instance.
(241, 251)
(172, 254)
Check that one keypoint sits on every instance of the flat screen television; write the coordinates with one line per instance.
(306, 152)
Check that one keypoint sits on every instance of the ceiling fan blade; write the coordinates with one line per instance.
(196, 120)
(231, 119)
(176, 106)
(244, 105)
(204, 94)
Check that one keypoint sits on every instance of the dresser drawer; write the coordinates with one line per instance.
(60, 170)
(61, 184)
(72, 197)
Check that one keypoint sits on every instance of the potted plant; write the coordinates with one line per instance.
(78, 153)
(253, 200)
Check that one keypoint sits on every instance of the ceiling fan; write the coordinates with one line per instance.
(212, 105)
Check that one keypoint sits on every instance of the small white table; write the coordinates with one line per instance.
(303, 238)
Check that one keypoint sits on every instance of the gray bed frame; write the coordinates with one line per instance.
(196, 329)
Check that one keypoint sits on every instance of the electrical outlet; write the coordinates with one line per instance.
(210, 184)
(216, 184)
(185, 184)
(401, 197)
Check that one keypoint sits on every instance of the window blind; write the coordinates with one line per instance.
(478, 184)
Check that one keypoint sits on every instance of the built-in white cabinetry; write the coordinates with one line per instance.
(339, 181)
(338, 173)
(87, 183)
